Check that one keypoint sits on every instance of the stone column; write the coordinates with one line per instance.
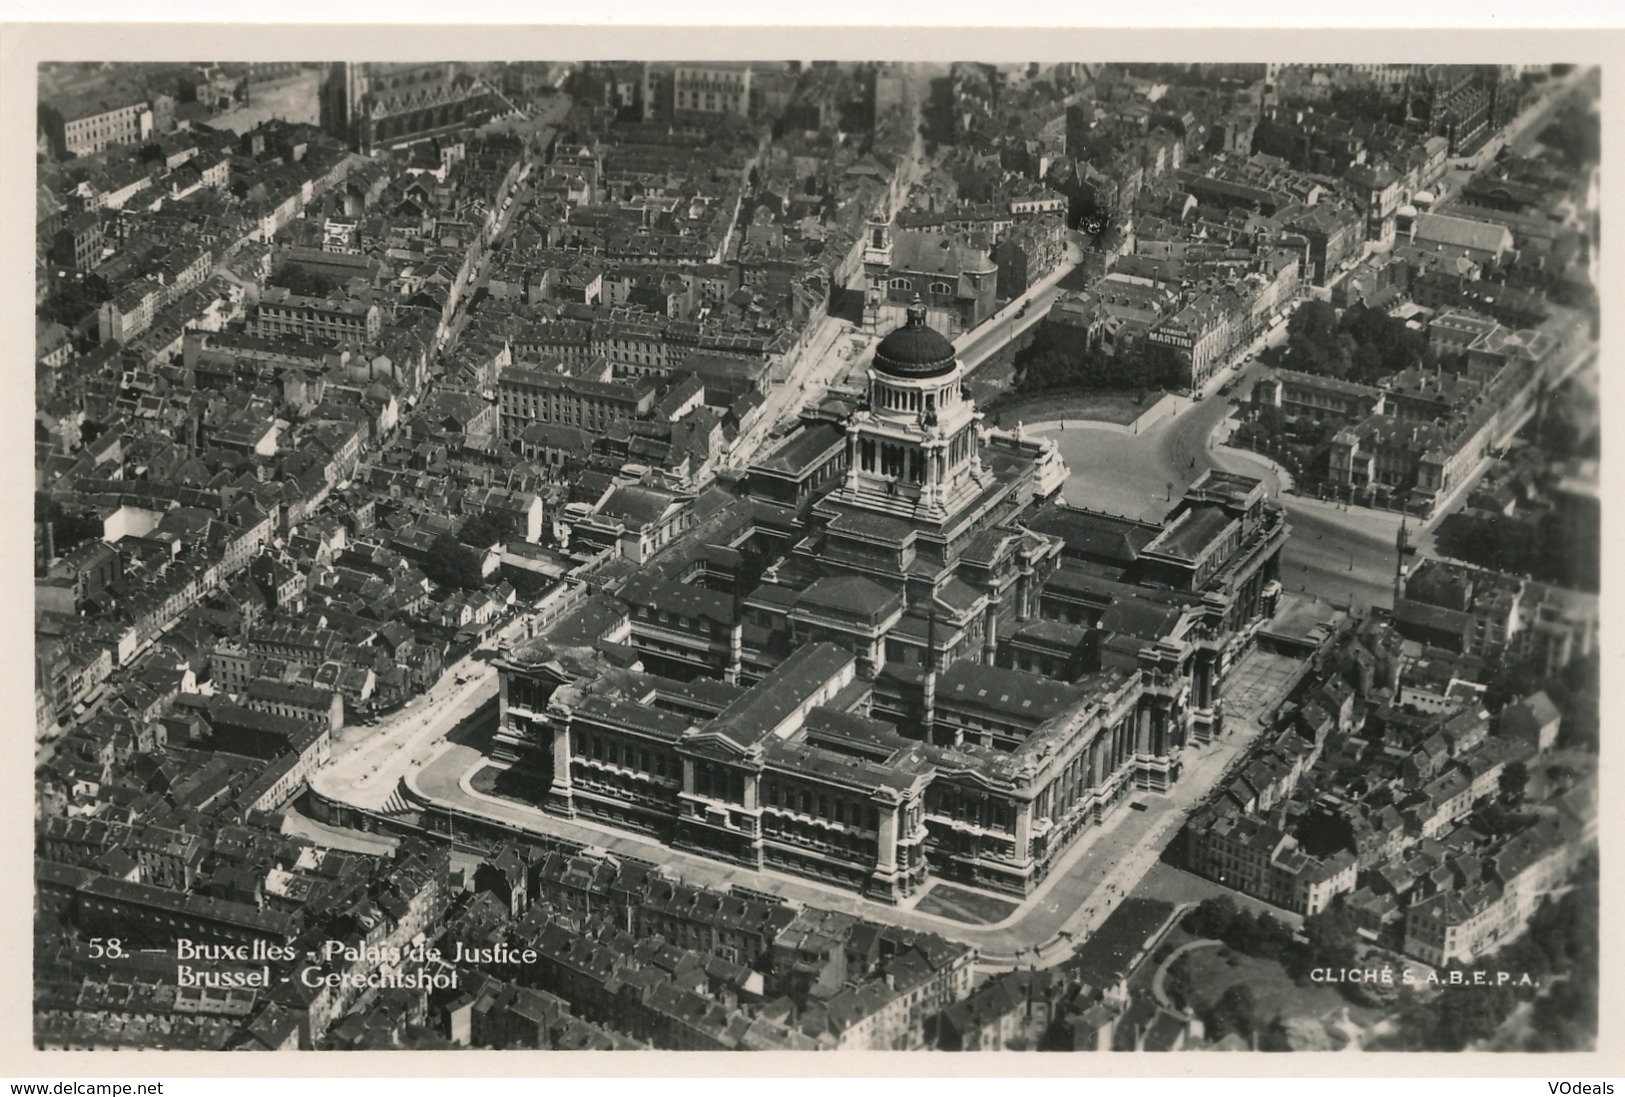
(1024, 833)
(561, 793)
(886, 847)
(1024, 592)
(928, 705)
(990, 639)
(736, 652)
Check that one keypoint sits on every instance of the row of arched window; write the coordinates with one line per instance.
(940, 289)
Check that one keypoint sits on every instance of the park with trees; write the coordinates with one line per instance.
(1060, 360)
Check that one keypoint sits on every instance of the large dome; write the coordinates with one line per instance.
(914, 350)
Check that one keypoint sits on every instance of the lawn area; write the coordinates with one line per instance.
(962, 905)
(1121, 408)
(520, 786)
(993, 378)
(1173, 884)
(1276, 992)
(1110, 952)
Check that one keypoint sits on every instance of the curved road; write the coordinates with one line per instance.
(1334, 554)
(1159, 981)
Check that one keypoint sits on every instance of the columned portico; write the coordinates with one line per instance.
(913, 450)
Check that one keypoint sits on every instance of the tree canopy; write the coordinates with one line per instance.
(1558, 953)
(1536, 545)
(453, 564)
(306, 283)
(1236, 1012)
(1059, 361)
(1362, 345)
(1332, 937)
(1575, 135)
(68, 528)
(71, 301)
(483, 530)
(1514, 778)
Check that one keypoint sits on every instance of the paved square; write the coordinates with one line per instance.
(1257, 684)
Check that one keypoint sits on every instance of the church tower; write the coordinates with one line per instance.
(877, 256)
(913, 446)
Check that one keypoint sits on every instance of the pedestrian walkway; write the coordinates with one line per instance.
(1273, 468)
(1167, 407)
(1159, 980)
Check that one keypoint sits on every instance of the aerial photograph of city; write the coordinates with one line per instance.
(815, 556)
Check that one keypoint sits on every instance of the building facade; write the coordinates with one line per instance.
(316, 319)
(527, 396)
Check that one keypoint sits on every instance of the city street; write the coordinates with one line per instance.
(1009, 323)
(816, 365)
(1520, 134)
(812, 367)
(368, 760)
